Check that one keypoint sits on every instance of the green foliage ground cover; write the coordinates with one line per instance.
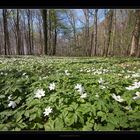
(108, 97)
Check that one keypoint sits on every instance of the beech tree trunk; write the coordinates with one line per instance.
(109, 20)
(6, 33)
(45, 30)
(95, 32)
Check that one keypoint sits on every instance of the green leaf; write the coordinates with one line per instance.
(49, 126)
(27, 113)
(39, 113)
(32, 117)
(39, 125)
(2, 126)
(69, 120)
(74, 105)
(88, 126)
(33, 102)
(17, 129)
(109, 127)
(59, 124)
(19, 117)
(85, 108)
(75, 118)
(70, 108)
(114, 120)
(65, 113)
(2, 96)
(80, 118)
(102, 115)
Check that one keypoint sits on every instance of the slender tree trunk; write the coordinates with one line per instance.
(50, 33)
(104, 34)
(19, 49)
(55, 42)
(41, 50)
(110, 17)
(45, 30)
(95, 32)
(32, 34)
(29, 32)
(87, 36)
(113, 35)
(92, 37)
(6, 33)
(25, 30)
(41, 45)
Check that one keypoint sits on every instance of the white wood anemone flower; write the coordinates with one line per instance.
(117, 98)
(39, 93)
(130, 88)
(47, 111)
(135, 75)
(100, 81)
(52, 86)
(137, 96)
(135, 85)
(102, 87)
(10, 97)
(67, 73)
(84, 95)
(97, 95)
(12, 104)
(137, 93)
(24, 74)
(79, 88)
(128, 107)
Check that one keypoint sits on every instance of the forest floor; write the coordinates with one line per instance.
(63, 93)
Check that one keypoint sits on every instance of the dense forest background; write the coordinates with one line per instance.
(70, 32)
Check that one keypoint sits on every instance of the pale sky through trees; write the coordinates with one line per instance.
(81, 16)
(69, 32)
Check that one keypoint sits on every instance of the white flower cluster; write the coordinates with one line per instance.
(128, 107)
(100, 81)
(52, 86)
(135, 85)
(1, 73)
(135, 75)
(39, 93)
(11, 103)
(137, 96)
(102, 87)
(97, 95)
(128, 71)
(10, 97)
(127, 76)
(67, 73)
(24, 73)
(80, 89)
(95, 71)
(47, 111)
(117, 98)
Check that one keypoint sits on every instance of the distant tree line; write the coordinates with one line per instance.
(55, 32)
